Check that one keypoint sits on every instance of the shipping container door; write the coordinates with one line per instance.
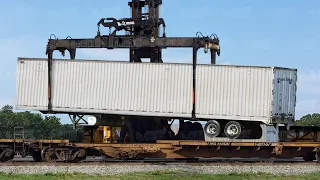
(284, 98)
(32, 84)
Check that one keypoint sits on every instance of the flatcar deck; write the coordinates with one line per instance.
(53, 150)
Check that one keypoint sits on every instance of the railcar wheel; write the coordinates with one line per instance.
(7, 154)
(48, 155)
(309, 159)
(233, 129)
(212, 128)
(318, 155)
(36, 155)
(82, 155)
(311, 156)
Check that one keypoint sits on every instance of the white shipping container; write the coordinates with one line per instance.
(266, 94)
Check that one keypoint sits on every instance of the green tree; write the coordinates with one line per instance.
(7, 108)
(35, 126)
(309, 120)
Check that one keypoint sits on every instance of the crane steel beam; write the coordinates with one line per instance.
(110, 42)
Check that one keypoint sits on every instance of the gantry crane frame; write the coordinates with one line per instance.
(142, 38)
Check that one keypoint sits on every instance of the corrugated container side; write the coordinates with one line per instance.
(31, 85)
(118, 86)
(285, 87)
(240, 92)
(223, 92)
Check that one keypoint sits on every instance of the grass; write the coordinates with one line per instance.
(158, 176)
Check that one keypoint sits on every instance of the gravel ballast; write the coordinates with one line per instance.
(123, 169)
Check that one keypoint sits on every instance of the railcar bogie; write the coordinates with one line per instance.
(6, 153)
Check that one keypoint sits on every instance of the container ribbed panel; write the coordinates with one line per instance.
(122, 86)
(153, 89)
(234, 91)
(285, 88)
(32, 84)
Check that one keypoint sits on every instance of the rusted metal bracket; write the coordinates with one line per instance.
(196, 46)
(278, 149)
(50, 54)
(133, 152)
(76, 118)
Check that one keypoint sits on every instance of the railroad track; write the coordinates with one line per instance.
(158, 163)
(215, 161)
(116, 167)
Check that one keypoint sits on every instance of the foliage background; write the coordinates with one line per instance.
(34, 126)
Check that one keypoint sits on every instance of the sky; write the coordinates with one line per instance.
(262, 33)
